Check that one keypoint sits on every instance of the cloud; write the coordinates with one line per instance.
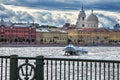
(58, 12)
(66, 4)
(23, 16)
(4, 12)
(106, 18)
(14, 15)
(2, 8)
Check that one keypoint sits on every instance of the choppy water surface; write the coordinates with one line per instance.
(94, 52)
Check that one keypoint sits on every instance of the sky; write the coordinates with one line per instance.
(59, 12)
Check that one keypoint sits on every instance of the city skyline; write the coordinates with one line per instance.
(58, 12)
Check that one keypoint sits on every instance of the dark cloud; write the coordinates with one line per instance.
(48, 18)
(18, 16)
(2, 8)
(106, 5)
(111, 21)
(5, 13)
(23, 16)
(67, 4)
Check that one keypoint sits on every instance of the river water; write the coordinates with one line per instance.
(93, 52)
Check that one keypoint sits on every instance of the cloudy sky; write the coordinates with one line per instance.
(59, 12)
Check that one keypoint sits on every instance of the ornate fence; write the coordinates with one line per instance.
(40, 68)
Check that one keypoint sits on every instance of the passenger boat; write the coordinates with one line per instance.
(74, 50)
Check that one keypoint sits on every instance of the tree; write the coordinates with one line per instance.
(41, 40)
(79, 40)
(16, 40)
(32, 40)
(69, 41)
(47, 26)
(5, 40)
(28, 40)
(2, 40)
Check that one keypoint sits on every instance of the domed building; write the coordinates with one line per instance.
(87, 22)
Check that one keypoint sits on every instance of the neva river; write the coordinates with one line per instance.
(93, 52)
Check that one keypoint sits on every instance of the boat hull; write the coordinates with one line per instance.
(67, 53)
(73, 50)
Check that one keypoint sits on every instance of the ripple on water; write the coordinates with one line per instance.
(93, 52)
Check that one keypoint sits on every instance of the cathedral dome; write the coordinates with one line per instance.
(92, 17)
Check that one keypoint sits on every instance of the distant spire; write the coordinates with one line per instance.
(28, 24)
(92, 11)
(82, 8)
(2, 19)
(33, 22)
(9, 20)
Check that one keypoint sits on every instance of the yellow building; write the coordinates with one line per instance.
(83, 36)
(48, 36)
(89, 36)
(39, 37)
(114, 37)
(73, 35)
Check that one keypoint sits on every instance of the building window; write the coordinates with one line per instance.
(2, 36)
(83, 25)
(83, 18)
(94, 25)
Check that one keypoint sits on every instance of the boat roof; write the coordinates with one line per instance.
(71, 47)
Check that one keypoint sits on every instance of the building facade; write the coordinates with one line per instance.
(51, 37)
(17, 33)
(94, 36)
(114, 37)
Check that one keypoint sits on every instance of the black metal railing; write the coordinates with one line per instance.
(40, 68)
(4, 67)
(81, 69)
